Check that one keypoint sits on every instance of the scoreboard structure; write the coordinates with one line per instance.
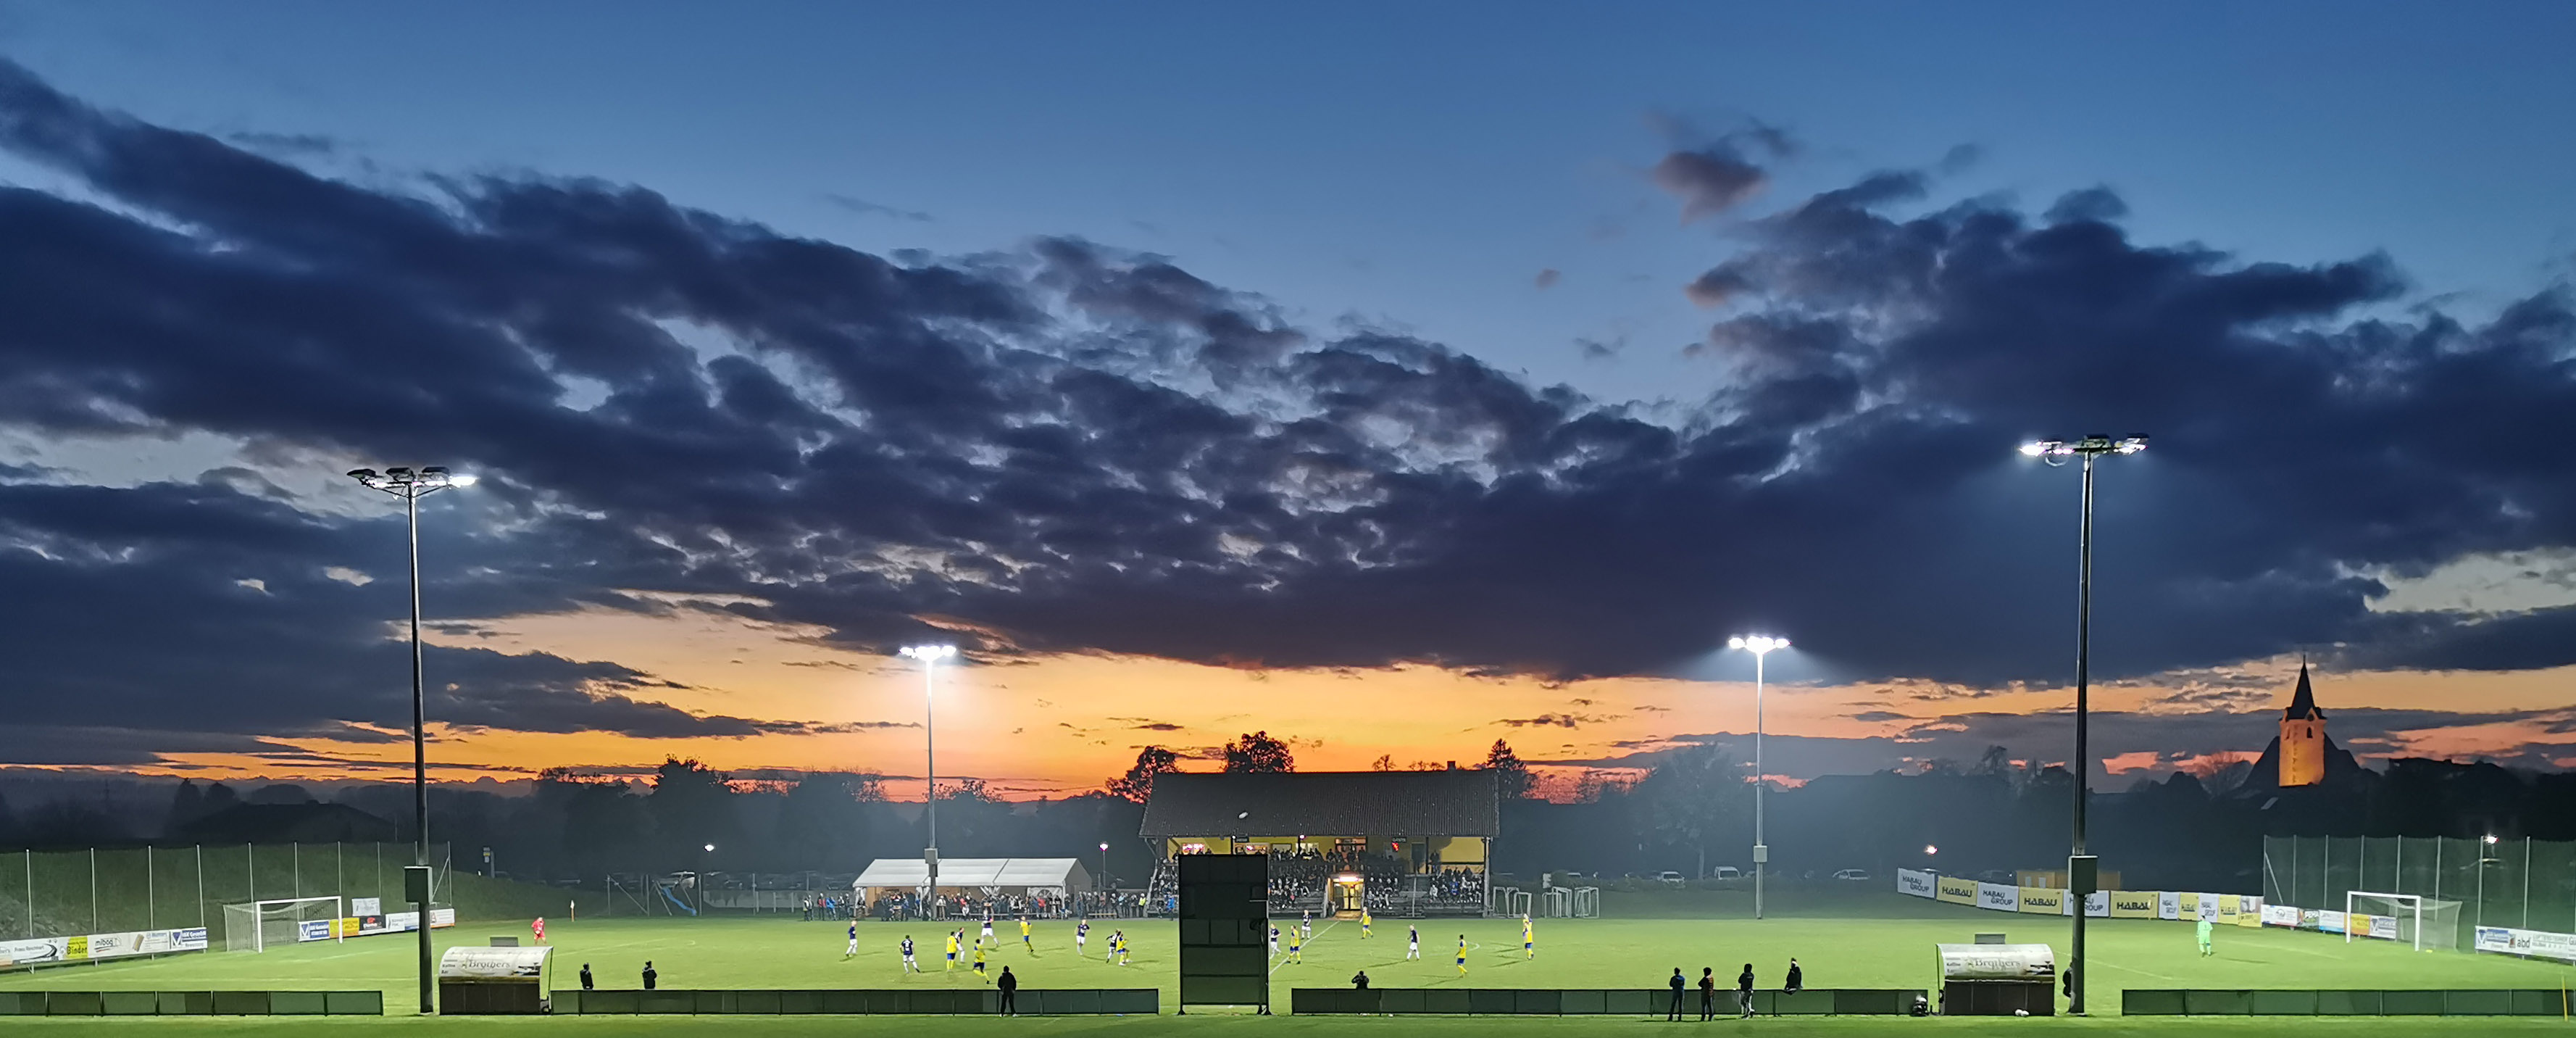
(1225, 921)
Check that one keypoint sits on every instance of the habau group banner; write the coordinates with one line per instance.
(1999, 897)
(1955, 890)
(2043, 901)
(1914, 882)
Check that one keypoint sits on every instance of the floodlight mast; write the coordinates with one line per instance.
(411, 486)
(930, 655)
(1759, 645)
(2079, 865)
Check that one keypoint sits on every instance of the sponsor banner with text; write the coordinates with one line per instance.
(2043, 901)
(2329, 921)
(2097, 905)
(1955, 890)
(1914, 882)
(37, 951)
(2280, 915)
(2131, 904)
(2535, 943)
(1999, 897)
(2170, 905)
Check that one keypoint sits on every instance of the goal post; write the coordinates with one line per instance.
(254, 925)
(2419, 922)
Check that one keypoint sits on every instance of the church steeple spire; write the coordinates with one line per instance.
(2303, 701)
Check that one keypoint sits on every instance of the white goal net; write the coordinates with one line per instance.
(256, 925)
(2413, 920)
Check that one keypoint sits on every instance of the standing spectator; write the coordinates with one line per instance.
(1797, 978)
(650, 977)
(1360, 981)
(585, 977)
(1674, 1014)
(1707, 993)
(1010, 986)
(1744, 991)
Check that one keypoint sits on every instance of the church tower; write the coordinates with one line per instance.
(2303, 737)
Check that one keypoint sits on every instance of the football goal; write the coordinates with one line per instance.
(254, 925)
(2416, 921)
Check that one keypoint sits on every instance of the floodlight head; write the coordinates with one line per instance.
(1929, 849)
(1104, 846)
(363, 475)
(466, 480)
(711, 848)
(1759, 644)
(399, 474)
(2491, 839)
(2035, 448)
(2131, 445)
(929, 653)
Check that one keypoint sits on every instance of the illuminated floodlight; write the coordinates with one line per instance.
(1758, 645)
(711, 848)
(1929, 849)
(2491, 839)
(928, 653)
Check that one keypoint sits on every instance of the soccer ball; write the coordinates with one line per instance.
(2021, 1012)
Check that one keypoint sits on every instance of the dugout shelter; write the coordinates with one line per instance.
(476, 981)
(1997, 979)
(1402, 842)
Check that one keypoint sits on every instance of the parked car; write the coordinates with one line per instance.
(1852, 874)
(1726, 872)
(1670, 878)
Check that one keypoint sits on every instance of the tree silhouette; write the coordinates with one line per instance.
(1511, 773)
(1137, 784)
(1257, 753)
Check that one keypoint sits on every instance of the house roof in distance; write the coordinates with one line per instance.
(1460, 802)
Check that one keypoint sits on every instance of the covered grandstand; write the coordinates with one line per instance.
(1404, 843)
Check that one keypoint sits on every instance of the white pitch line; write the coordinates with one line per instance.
(1319, 935)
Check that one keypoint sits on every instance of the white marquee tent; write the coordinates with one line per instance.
(1052, 877)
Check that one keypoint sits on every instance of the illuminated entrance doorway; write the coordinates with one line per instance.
(1347, 891)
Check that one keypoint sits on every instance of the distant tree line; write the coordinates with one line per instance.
(1691, 812)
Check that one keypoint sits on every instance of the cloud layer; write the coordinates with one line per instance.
(1072, 447)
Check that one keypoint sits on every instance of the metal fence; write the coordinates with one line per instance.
(2522, 883)
(112, 890)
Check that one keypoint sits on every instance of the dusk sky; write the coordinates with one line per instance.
(1392, 379)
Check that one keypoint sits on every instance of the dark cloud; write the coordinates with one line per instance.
(1549, 720)
(2170, 740)
(1548, 278)
(864, 207)
(1081, 448)
(1722, 173)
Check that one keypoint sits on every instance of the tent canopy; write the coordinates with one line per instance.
(1061, 875)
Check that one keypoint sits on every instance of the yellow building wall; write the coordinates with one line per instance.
(1460, 850)
(2303, 753)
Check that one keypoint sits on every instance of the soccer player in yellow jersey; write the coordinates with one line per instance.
(1462, 955)
(1024, 936)
(952, 949)
(979, 956)
(1365, 920)
(1296, 945)
(1529, 941)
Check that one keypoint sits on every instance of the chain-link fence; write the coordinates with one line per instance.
(114, 890)
(2521, 883)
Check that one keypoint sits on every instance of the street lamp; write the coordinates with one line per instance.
(411, 486)
(710, 850)
(1104, 861)
(930, 655)
(2080, 864)
(1759, 645)
(2489, 840)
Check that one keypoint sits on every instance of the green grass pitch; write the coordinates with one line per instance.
(1864, 943)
